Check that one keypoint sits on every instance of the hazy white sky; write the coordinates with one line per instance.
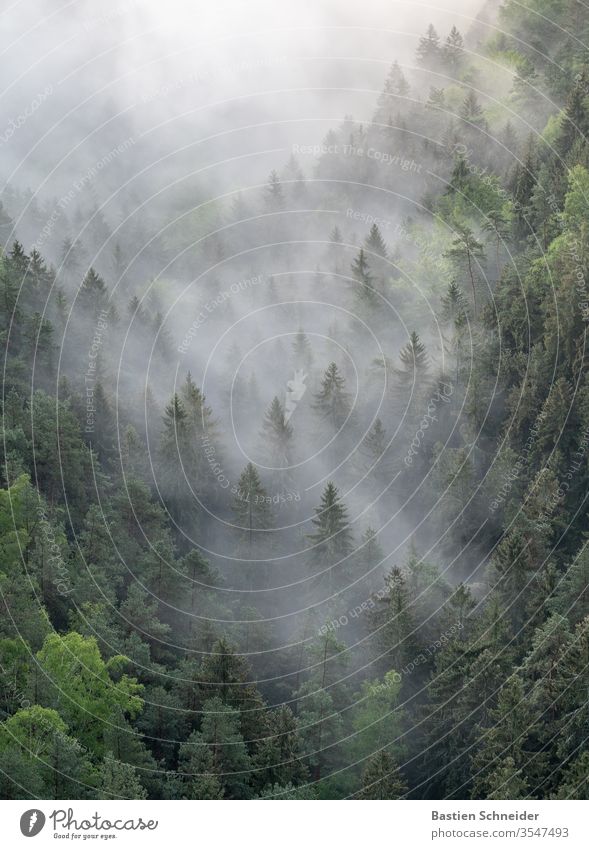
(129, 66)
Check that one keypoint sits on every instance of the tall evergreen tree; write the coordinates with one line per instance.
(331, 540)
(375, 243)
(428, 49)
(453, 51)
(467, 255)
(251, 504)
(277, 435)
(274, 193)
(332, 400)
(382, 779)
(364, 290)
(414, 360)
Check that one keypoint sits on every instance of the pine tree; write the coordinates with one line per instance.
(572, 594)
(549, 670)
(216, 757)
(277, 435)
(523, 182)
(332, 539)
(364, 291)
(279, 754)
(93, 292)
(525, 81)
(471, 110)
(503, 751)
(251, 504)
(332, 401)
(117, 780)
(497, 224)
(38, 274)
(436, 98)
(428, 49)
(174, 451)
(395, 87)
(374, 243)
(414, 360)
(375, 443)
(467, 254)
(574, 780)
(104, 437)
(575, 121)
(323, 726)
(293, 175)
(335, 237)
(19, 262)
(274, 193)
(393, 622)
(506, 782)
(200, 419)
(453, 50)
(302, 352)
(454, 304)
(382, 779)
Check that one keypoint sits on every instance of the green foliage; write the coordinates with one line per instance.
(74, 677)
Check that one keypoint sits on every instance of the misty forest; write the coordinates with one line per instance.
(295, 457)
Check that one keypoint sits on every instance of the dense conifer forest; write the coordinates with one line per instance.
(294, 491)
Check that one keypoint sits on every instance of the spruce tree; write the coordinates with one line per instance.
(375, 243)
(375, 443)
(277, 435)
(453, 50)
(274, 194)
(93, 292)
(471, 111)
(332, 539)
(382, 779)
(393, 622)
(199, 415)
(251, 504)
(575, 120)
(364, 290)
(428, 49)
(523, 182)
(395, 87)
(174, 449)
(574, 779)
(436, 98)
(295, 179)
(414, 360)
(507, 737)
(215, 759)
(332, 400)
(335, 237)
(454, 304)
(467, 254)
(117, 780)
(498, 226)
(302, 352)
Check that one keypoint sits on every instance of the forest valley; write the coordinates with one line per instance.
(294, 494)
